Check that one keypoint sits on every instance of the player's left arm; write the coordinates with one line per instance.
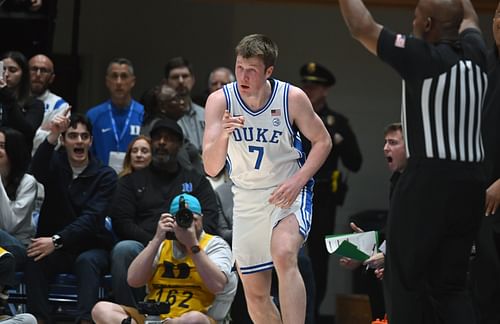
(310, 125)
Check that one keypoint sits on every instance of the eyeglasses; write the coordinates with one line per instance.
(74, 136)
(42, 70)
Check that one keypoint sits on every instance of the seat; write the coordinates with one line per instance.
(62, 295)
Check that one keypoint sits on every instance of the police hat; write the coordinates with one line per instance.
(168, 124)
(316, 73)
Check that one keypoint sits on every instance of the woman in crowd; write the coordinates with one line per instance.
(18, 109)
(17, 194)
(138, 155)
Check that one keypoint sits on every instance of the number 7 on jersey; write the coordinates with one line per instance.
(260, 151)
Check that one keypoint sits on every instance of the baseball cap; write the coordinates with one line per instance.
(192, 203)
(168, 124)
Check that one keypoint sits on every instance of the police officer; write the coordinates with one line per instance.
(330, 187)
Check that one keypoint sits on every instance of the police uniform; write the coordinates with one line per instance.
(330, 188)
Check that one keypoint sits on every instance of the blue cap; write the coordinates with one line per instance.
(192, 203)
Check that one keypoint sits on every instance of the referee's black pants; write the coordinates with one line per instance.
(435, 213)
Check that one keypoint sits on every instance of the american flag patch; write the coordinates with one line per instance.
(275, 112)
(400, 41)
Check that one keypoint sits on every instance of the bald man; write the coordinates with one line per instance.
(42, 75)
(439, 199)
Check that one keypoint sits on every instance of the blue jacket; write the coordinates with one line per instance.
(73, 208)
(104, 132)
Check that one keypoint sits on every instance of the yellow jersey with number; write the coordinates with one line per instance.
(178, 282)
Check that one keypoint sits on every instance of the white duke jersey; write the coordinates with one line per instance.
(267, 150)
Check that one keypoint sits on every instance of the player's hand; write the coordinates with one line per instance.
(286, 193)
(492, 198)
(40, 247)
(230, 123)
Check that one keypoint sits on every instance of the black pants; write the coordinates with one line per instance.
(434, 216)
(485, 272)
(323, 223)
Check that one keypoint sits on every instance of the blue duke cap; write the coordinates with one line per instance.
(192, 203)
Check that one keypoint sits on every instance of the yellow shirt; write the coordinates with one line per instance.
(178, 282)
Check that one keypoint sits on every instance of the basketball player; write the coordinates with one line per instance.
(252, 125)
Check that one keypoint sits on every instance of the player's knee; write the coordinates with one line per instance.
(284, 258)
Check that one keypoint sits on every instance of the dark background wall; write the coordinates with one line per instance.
(149, 32)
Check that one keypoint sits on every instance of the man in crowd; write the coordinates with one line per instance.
(71, 236)
(179, 76)
(202, 289)
(42, 75)
(118, 120)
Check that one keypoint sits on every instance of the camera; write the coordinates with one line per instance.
(184, 218)
(153, 309)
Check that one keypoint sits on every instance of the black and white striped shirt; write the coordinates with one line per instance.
(443, 93)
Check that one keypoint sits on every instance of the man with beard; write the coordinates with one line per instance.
(118, 120)
(179, 75)
(144, 195)
(42, 75)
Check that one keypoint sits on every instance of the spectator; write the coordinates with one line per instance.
(330, 185)
(141, 198)
(216, 79)
(42, 75)
(209, 282)
(179, 75)
(138, 155)
(118, 120)
(17, 195)
(18, 109)
(71, 235)
(164, 102)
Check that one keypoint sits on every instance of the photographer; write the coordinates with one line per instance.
(143, 195)
(191, 273)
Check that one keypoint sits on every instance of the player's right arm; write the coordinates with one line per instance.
(219, 125)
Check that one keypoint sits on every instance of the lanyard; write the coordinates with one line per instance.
(113, 124)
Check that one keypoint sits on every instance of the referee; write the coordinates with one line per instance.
(439, 199)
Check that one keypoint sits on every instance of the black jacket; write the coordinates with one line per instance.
(73, 208)
(143, 195)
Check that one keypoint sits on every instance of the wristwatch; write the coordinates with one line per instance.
(57, 240)
(195, 249)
